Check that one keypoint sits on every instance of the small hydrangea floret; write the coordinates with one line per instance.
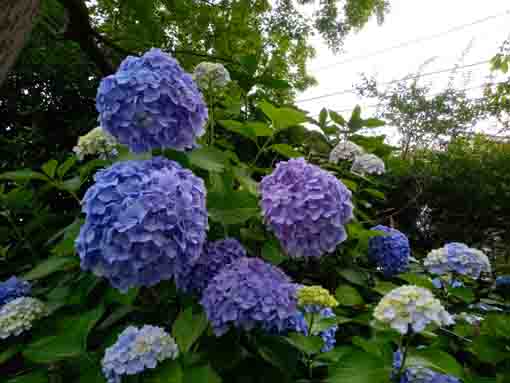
(215, 256)
(306, 207)
(98, 143)
(390, 252)
(13, 288)
(18, 315)
(457, 258)
(315, 295)
(411, 309)
(211, 76)
(368, 164)
(136, 350)
(249, 293)
(152, 103)
(345, 150)
(145, 222)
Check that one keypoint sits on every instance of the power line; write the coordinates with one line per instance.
(415, 41)
(345, 91)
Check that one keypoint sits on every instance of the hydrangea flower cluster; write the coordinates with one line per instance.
(503, 281)
(249, 293)
(151, 103)
(389, 252)
(411, 308)
(215, 256)
(418, 374)
(146, 221)
(368, 164)
(306, 207)
(136, 350)
(457, 258)
(96, 142)
(315, 295)
(211, 75)
(345, 150)
(18, 315)
(13, 288)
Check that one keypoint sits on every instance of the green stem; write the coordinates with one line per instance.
(261, 150)
(405, 346)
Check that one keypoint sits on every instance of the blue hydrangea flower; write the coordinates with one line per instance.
(13, 288)
(18, 315)
(389, 252)
(503, 281)
(146, 221)
(137, 350)
(418, 374)
(457, 258)
(306, 207)
(249, 293)
(215, 256)
(151, 103)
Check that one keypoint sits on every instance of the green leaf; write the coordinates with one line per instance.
(23, 176)
(277, 351)
(244, 178)
(32, 377)
(50, 266)
(359, 367)
(351, 185)
(239, 128)
(63, 346)
(282, 118)
(70, 185)
(188, 327)
(354, 276)
(490, 350)
(201, 374)
(375, 193)
(209, 158)
(260, 128)
(383, 287)
(418, 280)
(463, 293)
(271, 252)
(337, 118)
(7, 354)
(249, 63)
(115, 296)
(373, 123)
(49, 168)
(307, 344)
(496, 325)
(66, 166)
(286, 150)
(323, 116)
(348, 296)
(170, 371)
(435, 359)
(336, 354)
(232, 207)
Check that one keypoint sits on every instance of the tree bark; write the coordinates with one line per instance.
(16, 22)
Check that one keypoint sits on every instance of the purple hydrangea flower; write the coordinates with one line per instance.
(146, 221)
(150, 103)
(418, 374)
(136, 350)
(13, 288)
(306, 207)
(215, 256)
(249, 293)
(389, 252)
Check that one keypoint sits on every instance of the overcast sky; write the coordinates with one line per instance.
(410, 20)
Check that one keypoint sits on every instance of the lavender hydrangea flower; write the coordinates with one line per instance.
(137, 350)
(150, 103)
(211, 76)
(368, 164)
(13, 288)
(145, 222)
(215, 256)
(409, 308)
(457, 258)
(306, 207)
(345, 150)
(389, 252)
(249, 293)
(18, 315)
(418, 374)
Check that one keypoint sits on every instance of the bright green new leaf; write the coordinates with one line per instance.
(286, 150)
(49, 168)
(348, 296)
(308, 344)
(188, 327)
(209, 158)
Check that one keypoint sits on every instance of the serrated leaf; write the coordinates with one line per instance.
(209, 158)
(307, 344)
(49, 168)
(286, 150)
(348, 296)
(188, 327)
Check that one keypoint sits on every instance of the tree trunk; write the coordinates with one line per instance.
(16, 22)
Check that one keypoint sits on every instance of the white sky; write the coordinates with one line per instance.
(410, 20)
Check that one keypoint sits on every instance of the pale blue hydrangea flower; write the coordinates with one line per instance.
(368, 164)
(457, 258)
(345, 150)
(306, 207)
(137, 350)
(418, 374)
(19, 314)
(390, 252)
(211, 76)
(146, 221)
(411, 308)
(152, 103)
(98, 143)
(13, 288)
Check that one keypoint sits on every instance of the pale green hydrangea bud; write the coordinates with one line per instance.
(315, 295)
(211, 75)
(97, 142)
(411, 308)
(18, 315)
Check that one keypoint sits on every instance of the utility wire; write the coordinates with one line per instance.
(415, 41)
(345, 91)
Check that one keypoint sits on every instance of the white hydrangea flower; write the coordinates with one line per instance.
(411, 308)
(211, 75)
(96, 142)
(18, 315)
(345, 150)
(368, 164)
